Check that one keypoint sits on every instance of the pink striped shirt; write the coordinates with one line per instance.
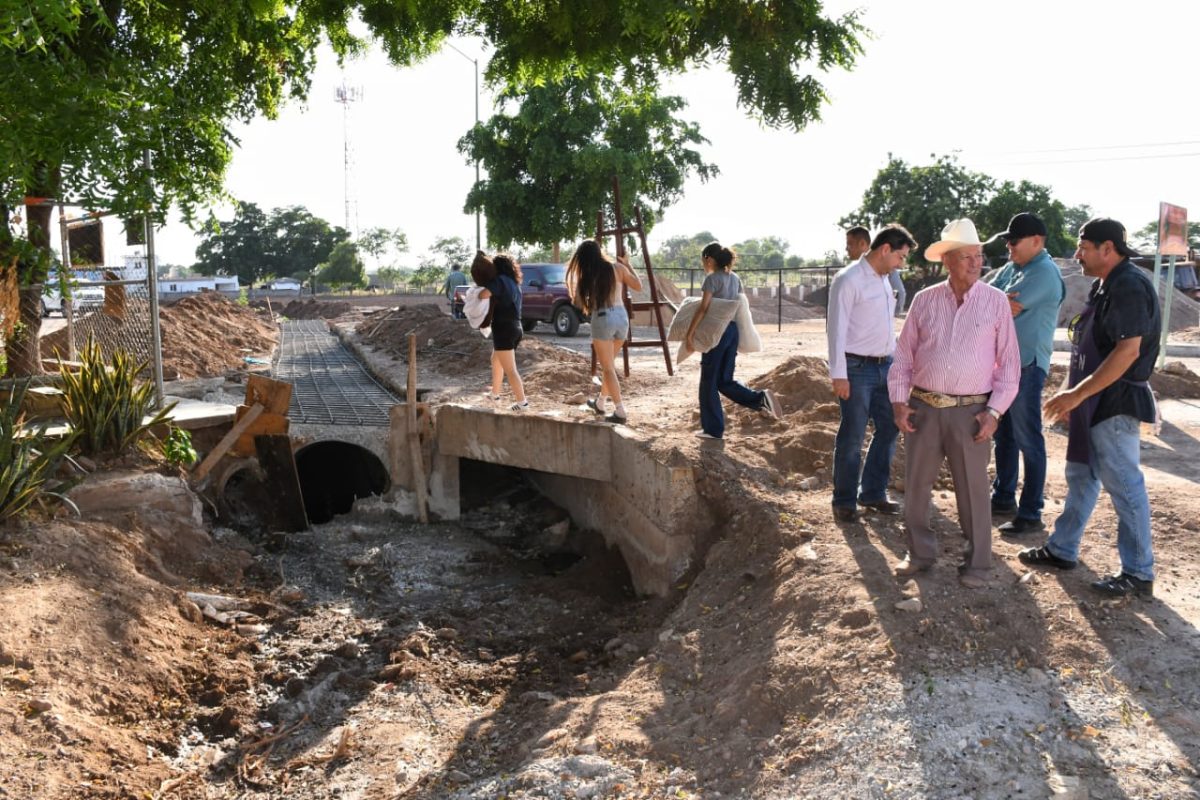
(953, 349)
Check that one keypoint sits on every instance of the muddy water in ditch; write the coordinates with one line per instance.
(427, 661)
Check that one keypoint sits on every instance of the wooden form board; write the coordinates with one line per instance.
(282, 484)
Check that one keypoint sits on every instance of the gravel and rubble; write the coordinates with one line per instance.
(504, 655)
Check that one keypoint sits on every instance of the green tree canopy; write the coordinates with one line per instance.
(550, 163)
(682, 252)
(448, 252)
(299, 241)
(768, 252)
(1146, 237)
(775, 51)
(289, 242)
(923, 199)
(380, 242)
(344, 269)
(88, 86)
(1009, 199)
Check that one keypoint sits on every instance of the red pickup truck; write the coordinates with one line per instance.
(543, 299)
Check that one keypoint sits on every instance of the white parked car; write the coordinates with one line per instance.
(84, 298)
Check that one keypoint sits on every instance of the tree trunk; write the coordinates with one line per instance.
(24, 348)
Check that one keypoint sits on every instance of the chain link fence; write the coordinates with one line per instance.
(109, 306)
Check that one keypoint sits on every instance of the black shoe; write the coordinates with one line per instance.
(844, 514)
(1021, 526)
(1042, 557)
(1003, 508)
(884, 506)
(1124, 584)
(616, 419)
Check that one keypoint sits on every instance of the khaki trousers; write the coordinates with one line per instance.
(948, 433)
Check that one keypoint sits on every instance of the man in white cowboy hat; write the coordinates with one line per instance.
(956, 370)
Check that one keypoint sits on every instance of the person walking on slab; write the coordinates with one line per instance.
(505, 293)
(594, 282)
(721, 284)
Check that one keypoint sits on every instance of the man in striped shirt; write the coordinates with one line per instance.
(861, 340)
(956, 371)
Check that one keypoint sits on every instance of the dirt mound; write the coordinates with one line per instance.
(208, 334)
(1186, 335)
(103, 675)
(1173, 382)
(1184, 310)
(802, 383)
(315, 309)
(451, 344)
(802, 445)
(203, 335)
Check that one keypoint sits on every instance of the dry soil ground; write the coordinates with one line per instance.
(504, 656)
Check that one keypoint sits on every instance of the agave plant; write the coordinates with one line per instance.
(27, 457)
(105, 403)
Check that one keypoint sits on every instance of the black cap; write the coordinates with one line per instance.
(1103, 229)
(1020, 226)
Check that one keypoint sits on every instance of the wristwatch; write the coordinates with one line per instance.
(996, 414)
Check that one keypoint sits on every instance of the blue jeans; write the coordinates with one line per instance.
(716, 379)
(1018, 435)
(1115, 466)
(868, 400)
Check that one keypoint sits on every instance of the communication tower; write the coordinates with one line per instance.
(345, 95)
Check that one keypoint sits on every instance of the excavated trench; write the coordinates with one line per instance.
(604, 478)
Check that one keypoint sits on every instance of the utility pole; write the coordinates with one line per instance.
(475, 61)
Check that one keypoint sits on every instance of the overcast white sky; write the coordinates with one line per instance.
(1099, 105)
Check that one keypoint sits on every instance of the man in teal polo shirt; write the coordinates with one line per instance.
(1035, 289)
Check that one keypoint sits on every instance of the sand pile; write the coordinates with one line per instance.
(804, 446)
(203, 335)
(451, 344)
(314, 309)
(1184, 310)
(1175, 381)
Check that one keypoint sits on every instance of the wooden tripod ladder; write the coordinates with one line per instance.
(655, 303)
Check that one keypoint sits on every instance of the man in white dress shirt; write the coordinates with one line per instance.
(861, 343)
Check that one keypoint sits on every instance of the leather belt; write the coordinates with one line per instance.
(939, 400)
(870, 359)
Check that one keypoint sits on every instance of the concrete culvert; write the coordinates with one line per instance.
(335, 474)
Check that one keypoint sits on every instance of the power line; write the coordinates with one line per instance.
(1098, 147)
(1096, 160)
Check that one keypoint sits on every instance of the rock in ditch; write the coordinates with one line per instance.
(144, 491)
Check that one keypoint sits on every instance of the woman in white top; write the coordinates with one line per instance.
(595, 282)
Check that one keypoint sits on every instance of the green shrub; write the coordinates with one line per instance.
(105, 403)
(28, 458)
(177, 447)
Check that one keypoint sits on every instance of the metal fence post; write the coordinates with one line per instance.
(779, 299)
(152, 287)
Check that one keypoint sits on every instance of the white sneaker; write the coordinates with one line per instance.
(519, 406)
(703, 435)
(771, 405)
